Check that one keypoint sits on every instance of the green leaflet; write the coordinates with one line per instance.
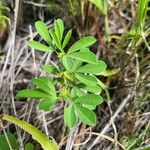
(92, 89)
(36, 134)
(89, 99)
(70, 64)
(49, 69)
(59, 29)
(43, 31)
(66, 39)
(88, 57)
(67, 63)
(46, 85)
(32, 93)
(46, 104)
(85, 115)
(70, 116)
(99, 67)
(55, 39)
(38, 46)
(86, 79)
(82, 43)
(12, 140)
(76, 92)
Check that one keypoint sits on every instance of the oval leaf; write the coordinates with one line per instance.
(45, 84)
(99, 67)
(38, 46)
(55, 39)
(46, 104)
(32, 93)
(49, 69)
(89, 99)
(85, 115)
(59, 29)
(70, 116)
(43, 31)
(67, 38)
(88, 57)
(86, 79)
(67, 63)
(93, 89)
(82, 43)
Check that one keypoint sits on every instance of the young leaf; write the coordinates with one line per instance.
(49, 69)
(76, 92)
(99, 67)
(67, 63)
(90, 99)
(38, 46)
(50, 85)
(85, 115)
(76, 65)
(44, 84)
(91, 107)
(55, 39)
(82, 43)
(88, 57)
(36, 134)
(92, 89)
(70, 116)
(59, 29)
(86, 79)
(43, 31)
(67, 38)
(30, 93)
(12, 142)
(46, 104)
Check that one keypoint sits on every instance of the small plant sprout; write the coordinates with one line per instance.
(75, 76)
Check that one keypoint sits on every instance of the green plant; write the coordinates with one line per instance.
(74, 77)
